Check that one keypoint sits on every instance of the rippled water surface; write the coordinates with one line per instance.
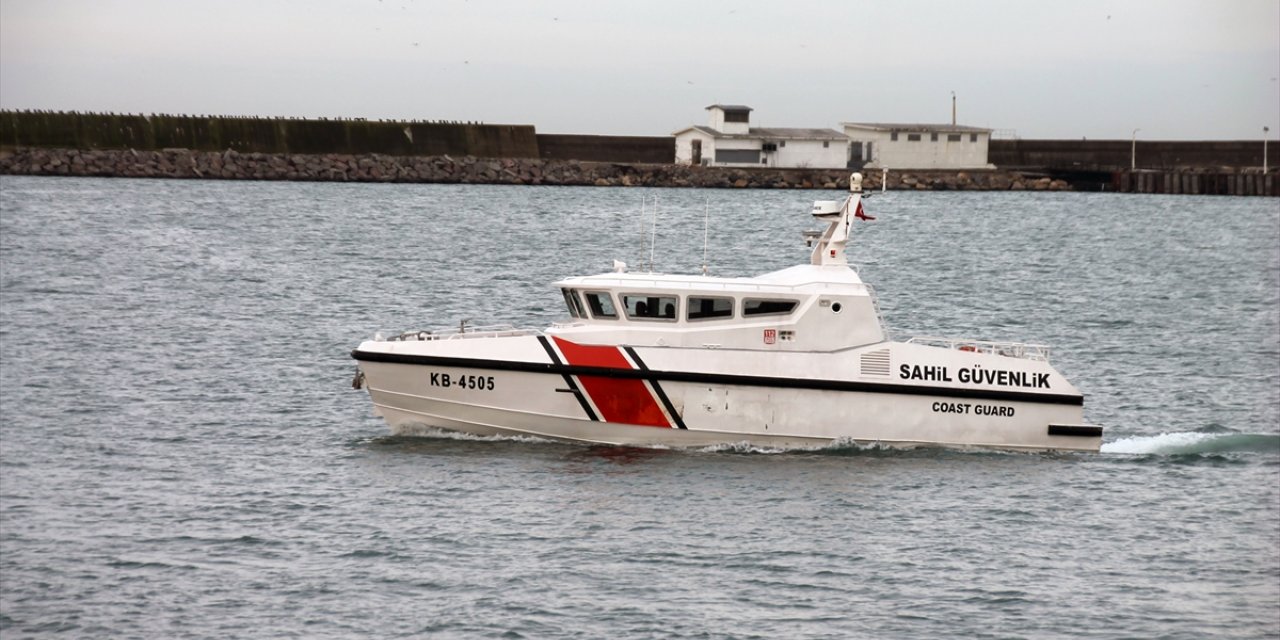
(181, 453)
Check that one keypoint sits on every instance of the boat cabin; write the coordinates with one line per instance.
(817, 307)
(803, 308)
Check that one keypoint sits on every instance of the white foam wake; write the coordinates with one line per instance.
(1163, 443)
(1182, 443)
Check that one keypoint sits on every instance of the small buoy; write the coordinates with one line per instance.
(968, 347)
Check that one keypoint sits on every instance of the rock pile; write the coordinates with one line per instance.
(230, 165)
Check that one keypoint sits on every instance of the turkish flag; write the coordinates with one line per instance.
(859, 214)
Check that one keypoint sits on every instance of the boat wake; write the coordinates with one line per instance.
(1195, 443)
(839, 447)
(426, 431)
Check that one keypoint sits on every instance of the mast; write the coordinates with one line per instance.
(829, 250)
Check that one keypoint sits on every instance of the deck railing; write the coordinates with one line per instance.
(1008, 349)
(462, 332)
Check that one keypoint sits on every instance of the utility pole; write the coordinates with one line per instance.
(1265, 131)
(953, 108)
(1133, 151)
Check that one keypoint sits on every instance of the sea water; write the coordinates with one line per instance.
(182, 455)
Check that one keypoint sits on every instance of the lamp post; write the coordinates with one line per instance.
(1133, 151)
(1265, 131)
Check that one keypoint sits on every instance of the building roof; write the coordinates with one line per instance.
(940, 128)
(797, 134)
(771, 133)
(731, 107)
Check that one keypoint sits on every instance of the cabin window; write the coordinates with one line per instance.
(708, 308)
(601, 305)
(767, 307)
(641, 306)
(953, 137)
(913, 137)
(574, 303)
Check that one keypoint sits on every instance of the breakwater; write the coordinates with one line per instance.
(1118, 155)
(155, 132)
(233, 165)
(1236, 183)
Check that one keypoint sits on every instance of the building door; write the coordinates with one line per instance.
(855, 155)
(697, 152)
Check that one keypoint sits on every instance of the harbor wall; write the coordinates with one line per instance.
(1117, 154)
(232, 165)
(87, 131)
(1197, 183)
(629, 149)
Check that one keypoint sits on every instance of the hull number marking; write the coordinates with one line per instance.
(975, 409)
(479, 383)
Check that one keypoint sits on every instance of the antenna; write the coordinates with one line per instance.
(653, 230)
(705, 208)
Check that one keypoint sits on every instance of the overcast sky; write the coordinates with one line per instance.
(1177, 69)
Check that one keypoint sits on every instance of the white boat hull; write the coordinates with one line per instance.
(622, 401)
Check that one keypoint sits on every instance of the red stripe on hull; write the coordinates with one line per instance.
(618, 400)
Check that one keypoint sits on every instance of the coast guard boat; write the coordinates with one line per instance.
(797, 357)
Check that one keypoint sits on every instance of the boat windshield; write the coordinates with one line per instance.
(601, 305)
(574, 303)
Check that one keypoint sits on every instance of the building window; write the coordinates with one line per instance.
(782, 143)
(826, 144)
(953, 137)
(736, 116)
(973, 137)
(933, 137)
(893, 136)
(913, 137)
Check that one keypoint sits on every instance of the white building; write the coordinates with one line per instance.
(917, 146)
(730, 141)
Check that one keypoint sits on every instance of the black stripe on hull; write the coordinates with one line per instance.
(568, 379)
(1077, 430)
(716, 378)
(657, 388)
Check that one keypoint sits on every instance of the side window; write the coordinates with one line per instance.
(601, 305)
(641, 306)
(767, 307)
(705, 308)
(575, 304)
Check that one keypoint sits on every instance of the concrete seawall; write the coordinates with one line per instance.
(1197, 183)
(231, 165)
